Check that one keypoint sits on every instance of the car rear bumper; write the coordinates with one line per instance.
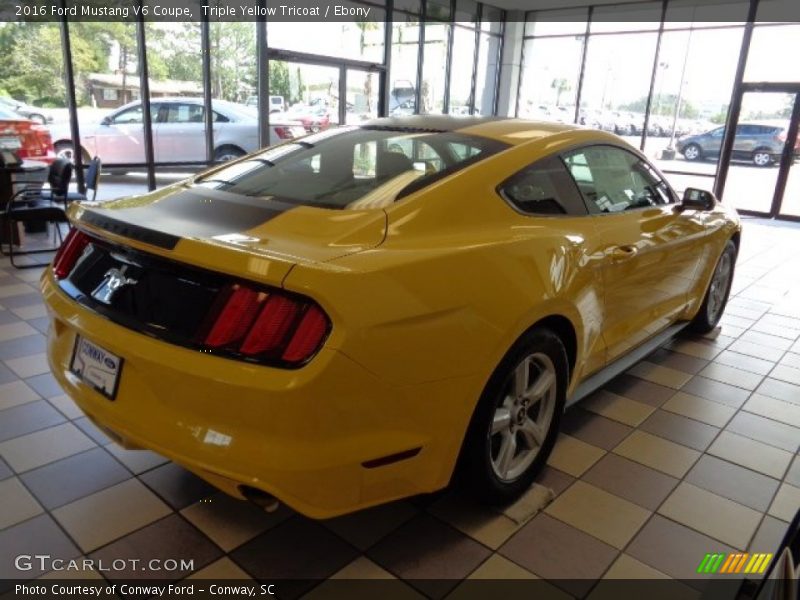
(301, 435)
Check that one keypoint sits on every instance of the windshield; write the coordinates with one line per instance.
(353, 168)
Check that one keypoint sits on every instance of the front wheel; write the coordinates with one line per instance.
(719, 288)
(66, 151)
(226, 153)
(515, 424)
(692, 152)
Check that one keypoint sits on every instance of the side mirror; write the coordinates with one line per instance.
(694, 199)
(106, 121)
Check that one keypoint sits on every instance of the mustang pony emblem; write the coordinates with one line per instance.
(113, 281)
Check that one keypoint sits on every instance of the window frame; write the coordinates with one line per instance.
(500, 190)
(591, 206)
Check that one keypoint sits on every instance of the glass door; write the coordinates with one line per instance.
(362, 95)
(790, 200)
(758, 146)
(309, 93)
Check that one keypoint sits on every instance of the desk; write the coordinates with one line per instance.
(28, 171)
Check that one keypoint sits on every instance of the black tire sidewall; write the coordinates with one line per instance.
(475, 465)
(701, 322)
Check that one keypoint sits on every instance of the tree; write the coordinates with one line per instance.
(560, 85)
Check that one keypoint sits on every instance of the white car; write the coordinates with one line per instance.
(178, 132)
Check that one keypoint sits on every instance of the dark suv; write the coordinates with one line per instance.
(759, 143)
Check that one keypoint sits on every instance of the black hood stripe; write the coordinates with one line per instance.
(184, 214)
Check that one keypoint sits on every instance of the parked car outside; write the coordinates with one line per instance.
(338, 323)
(178, 132)
(34, 113)
(760, 143)
(276, 103)
(314, 118)
(24, 137)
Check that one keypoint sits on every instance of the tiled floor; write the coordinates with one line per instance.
(694, 450)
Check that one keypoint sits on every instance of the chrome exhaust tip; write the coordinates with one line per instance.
(266, 502)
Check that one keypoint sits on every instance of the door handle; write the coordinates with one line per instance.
(619, 253)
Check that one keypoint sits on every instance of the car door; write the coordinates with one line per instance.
(120, 137)
(649, 249)
(179, 135)
(712, 141)
(745, 141)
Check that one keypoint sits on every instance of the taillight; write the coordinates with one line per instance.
(284, 133)
(266, 325)
(69, 252)
(781, 136)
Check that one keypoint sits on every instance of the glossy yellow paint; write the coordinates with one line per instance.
(425, 298)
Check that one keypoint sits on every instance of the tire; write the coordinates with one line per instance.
(762, 157)
(692, 152)
(226, 153)
(65, 150)
(37, 118)
(315, 127)
(501, 416)
(719, 288)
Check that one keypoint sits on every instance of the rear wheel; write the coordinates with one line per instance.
(226, 153)
(515, 424)
(66, 151)
(762, 157)
(719, 288)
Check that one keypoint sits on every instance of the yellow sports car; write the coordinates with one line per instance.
(346, 318)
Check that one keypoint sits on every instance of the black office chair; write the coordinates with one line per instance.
(34, 204)
(92, 182)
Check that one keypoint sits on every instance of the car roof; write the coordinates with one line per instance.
(509, 130)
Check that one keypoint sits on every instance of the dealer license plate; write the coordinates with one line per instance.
(96, 366)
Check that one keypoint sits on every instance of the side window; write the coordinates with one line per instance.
(220, 118)
(718, 132)
(544, 188)
(130, 116)
(184, 113)
(614, 180)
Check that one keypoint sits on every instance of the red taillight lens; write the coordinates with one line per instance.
(69, 252)
(236, 317)
(309, 335)
(272, 326)
(284, 133)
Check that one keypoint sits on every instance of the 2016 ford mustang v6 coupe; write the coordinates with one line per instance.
(343, 319)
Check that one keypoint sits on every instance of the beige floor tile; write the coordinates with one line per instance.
(137, 461)
(102, 517)
(498, 568)
(660, 375)
(627, 567)
(618, 408)
(16, 289)
(28, 366)
(11, 331)
(732, 376)
(362, 568)
(16, 393)
(785, 504)
(774, 409)
(605, 516)
(488, 527)
(751, 454)
(17, 503)
(572, 456)
(658, 453)
(699, 409)
(221, 569)
(696, 349)
(66, 405)
(230, 522)
(786, 373)
(717, 517)
(530, 504)
(43, 447)
(34, 311)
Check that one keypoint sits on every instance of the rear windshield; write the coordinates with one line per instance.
(351, 167)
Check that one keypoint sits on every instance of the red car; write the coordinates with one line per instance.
(313, 118)
(24, 137)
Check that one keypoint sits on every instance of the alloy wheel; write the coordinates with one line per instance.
(720, 284)
(762, 159)
(691, 153)
(523, 417)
